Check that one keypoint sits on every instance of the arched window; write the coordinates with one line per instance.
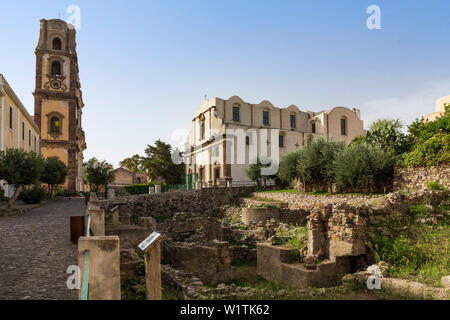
(281, 140)
(57, 44)
(344, 126)
(236, 113)
(202, 127)
(55, 125)
(56, 68)
(313, 127)
(266, 117)
(293, 121)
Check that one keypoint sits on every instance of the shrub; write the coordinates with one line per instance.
(137, 189)
(288, 167)
(435, 185)
(32, 195)
(315, 161)
(387, 133)
(255, 171)
(430, 152)
(364, 166)
(422, 130)
(414, 250)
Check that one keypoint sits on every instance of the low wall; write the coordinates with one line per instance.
(210, 262)
(255, 215)
(167, 203)
(130, 236)
(412, 178)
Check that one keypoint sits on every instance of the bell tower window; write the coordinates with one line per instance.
(55, 125)
(57, 44)
(56, 68)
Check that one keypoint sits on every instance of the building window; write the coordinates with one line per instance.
(55, 125)
(313, 127)
(281, 140)
(202, 129)
(10, 117)
(23, 131)
(235, 113)
(293, 121)
(29, 137)
(57, 44)
(56, 68)
(266, 118)
(344, 126)
(35, 144)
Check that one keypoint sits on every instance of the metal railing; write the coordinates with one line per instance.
(85, 284)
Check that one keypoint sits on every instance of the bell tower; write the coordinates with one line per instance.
(58, 101)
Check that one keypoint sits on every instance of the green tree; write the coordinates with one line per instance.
(364, 166)
(431, 142)
(315, 161)
(20, 168)
(421, 130)
(95, 172)
(159, 163)
(288, 166)
(387, 133)
(134, 163)
(54, 174)
(255, 174)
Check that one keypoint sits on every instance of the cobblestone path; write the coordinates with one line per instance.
(35, 251)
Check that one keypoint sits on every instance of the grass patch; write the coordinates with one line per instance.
(160, 219)
(282, 191)
(435, 185)
(243, 263)
(416, 251)
(261, 199)
(295, 238)
(171, 293)
(127, 290)
(326, 193)
(108, 218)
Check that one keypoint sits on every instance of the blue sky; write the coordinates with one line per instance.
(146, 65)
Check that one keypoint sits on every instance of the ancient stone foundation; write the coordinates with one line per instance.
(210, 262)
(413, 178)
(255, 215)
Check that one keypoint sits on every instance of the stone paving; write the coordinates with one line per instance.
(35, 251)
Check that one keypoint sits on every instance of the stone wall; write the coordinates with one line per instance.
(168, 203)
(210, 262)
(412, 178)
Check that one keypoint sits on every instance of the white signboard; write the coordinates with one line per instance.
(151, 239)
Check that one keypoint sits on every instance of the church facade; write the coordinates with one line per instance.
(58, 99)
(228, 135)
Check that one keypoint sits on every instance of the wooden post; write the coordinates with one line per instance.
(152, 257)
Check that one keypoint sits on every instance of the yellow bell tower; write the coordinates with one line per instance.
(58, 101)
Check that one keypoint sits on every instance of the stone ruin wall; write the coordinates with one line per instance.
(412, 178)
(167, 203)
(337, 224)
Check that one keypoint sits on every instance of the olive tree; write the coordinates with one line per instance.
(54, 173)
(20, 168)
